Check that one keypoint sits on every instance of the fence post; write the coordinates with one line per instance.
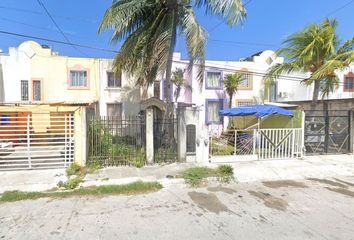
(29, 141)
(293, 145)
(182, 138)
(254, 141)
(235, 142)
(149, 125)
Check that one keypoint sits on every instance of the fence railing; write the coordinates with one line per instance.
(115, 141)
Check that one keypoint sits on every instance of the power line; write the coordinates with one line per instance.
(57, 26)
(340, 8)
(58, 41)
(243, 43)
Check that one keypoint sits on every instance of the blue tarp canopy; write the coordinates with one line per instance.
(260, 111)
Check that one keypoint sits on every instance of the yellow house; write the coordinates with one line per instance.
(55, 78)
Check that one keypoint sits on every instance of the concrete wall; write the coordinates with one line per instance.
(191, 116)
(16, 67)
(128, 94)
(297, 91)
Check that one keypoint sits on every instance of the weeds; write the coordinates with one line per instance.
(131, 188)
(195, 176)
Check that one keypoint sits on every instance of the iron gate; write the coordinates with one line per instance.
(327, 132)
(116, 141)
(165, 140)
(36, 140)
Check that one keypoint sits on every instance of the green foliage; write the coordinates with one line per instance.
(232, 83)
(113, 147)
(225, 170)
(315, 50)
(162, 153)
(75, 169)
(131, 188)
(195, 176)
(71, 183)
(221, 149)
(150, 30)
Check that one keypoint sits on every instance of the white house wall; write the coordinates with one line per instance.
(128, 94)
(16, 67)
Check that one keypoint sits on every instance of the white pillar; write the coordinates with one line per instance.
(149, 130)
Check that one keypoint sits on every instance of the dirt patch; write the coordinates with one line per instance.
(328, 182)
(271, 201)
(343, 191)
(284, 183)
(208, 201)
(221, 189)
(345, 182)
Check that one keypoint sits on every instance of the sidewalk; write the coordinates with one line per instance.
(313, 166)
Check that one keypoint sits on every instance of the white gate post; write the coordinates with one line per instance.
(28, 142)
(293, 145)
(254, 141)
(235, 142)
(149, 134)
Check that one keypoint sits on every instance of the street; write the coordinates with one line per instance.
(287, 209)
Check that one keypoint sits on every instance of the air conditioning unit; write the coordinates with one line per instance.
(283, 94)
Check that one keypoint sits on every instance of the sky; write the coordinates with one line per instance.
(267, 24)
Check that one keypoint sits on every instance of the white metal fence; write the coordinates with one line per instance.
(280, 143)
(261, 144)
(36, 140)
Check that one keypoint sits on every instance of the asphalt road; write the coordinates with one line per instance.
(301, 209)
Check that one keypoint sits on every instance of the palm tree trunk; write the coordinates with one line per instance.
(230, 103)
(167, 87)
(316, 90)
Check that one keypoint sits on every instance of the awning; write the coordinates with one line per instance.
(260, 111)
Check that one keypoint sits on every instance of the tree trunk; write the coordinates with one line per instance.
(316, 91)
(167, 87)
(230, 103)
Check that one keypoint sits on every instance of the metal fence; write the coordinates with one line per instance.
(116, 141)
(165, 140)
(36, 140)
(327, 132)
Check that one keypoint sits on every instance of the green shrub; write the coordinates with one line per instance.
(70, 184)
(225, 170)
(74, 169)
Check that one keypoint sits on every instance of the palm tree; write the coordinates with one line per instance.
(150, 29)
(179, 81)
(232, 83)
(315, 50)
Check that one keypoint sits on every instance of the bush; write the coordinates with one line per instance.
(70, 184)
(225, 170)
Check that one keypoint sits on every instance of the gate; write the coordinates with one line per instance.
(261, 144)
(327, 132)
(284, 143)
(165, 140)
(36, 140)
(116, 141)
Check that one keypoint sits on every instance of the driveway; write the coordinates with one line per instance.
(284, 209)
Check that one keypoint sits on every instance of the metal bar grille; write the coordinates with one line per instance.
(36, 140)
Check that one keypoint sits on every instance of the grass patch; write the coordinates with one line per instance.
(76, 169)
(131, 188)
(195, 176)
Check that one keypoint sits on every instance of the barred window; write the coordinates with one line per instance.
(24, 90)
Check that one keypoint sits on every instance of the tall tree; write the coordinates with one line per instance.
(179, 81)
(150, 29)
(315, 50)
(232, 83)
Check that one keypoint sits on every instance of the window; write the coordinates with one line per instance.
(349, 83)
(157, 89)
(191, 139)
(78, 78)
(247, 81)
(244, 102)
(114, 80)
(212, 111)
(24, 90)
(37, 91)
(213, 80)
(114, 110)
